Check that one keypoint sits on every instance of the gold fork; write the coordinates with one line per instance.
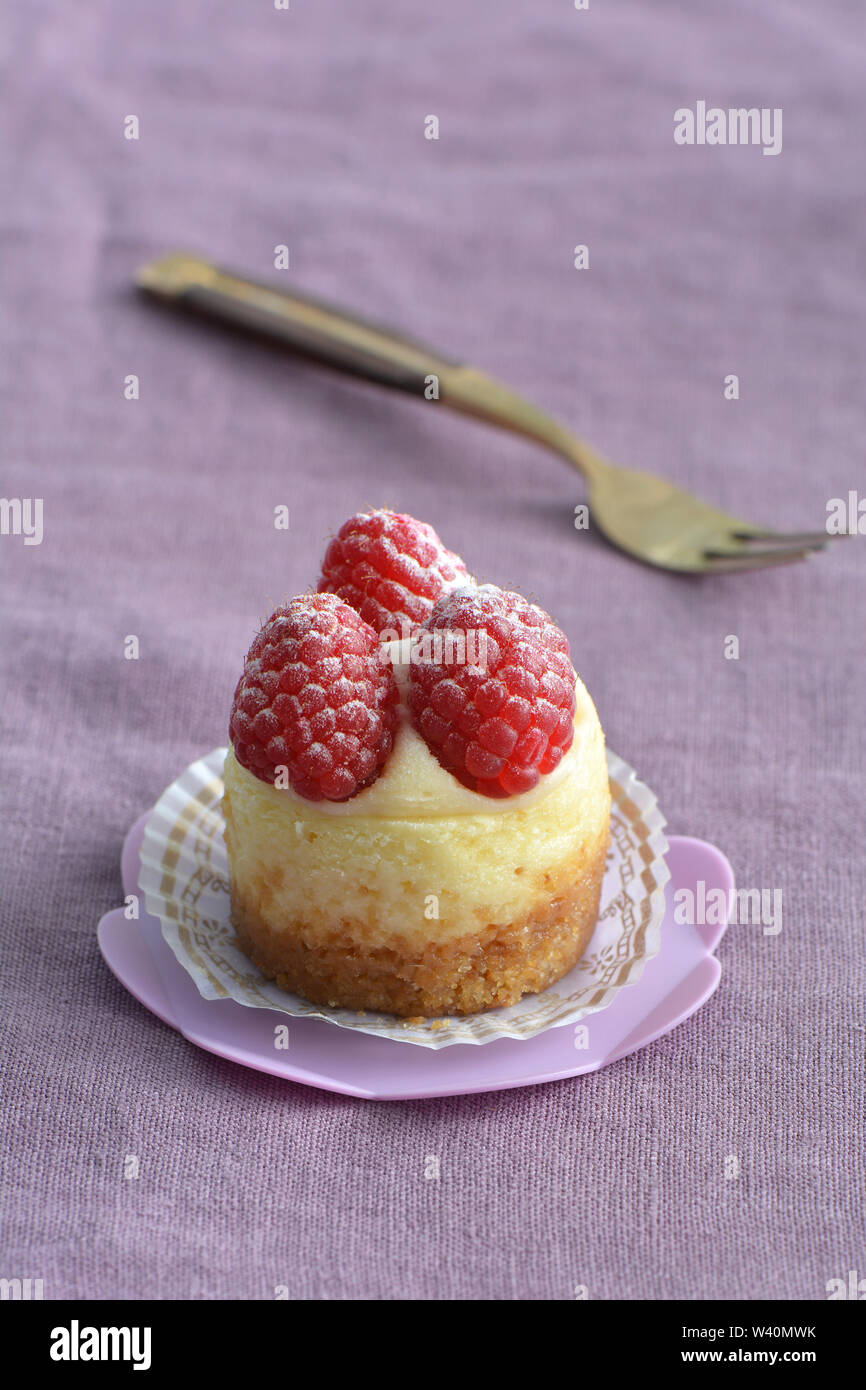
(645, 516)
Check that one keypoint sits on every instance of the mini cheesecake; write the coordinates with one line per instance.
(420, 833)
(420, 897)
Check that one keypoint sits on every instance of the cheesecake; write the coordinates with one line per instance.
(407, 835)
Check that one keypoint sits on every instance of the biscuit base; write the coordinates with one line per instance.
(492, 967)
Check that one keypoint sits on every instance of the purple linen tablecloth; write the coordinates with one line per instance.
(306, 128)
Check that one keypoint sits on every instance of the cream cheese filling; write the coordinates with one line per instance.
(414, 786)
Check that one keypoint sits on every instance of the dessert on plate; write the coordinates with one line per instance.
(416, 793)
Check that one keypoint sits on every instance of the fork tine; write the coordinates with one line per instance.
(722, 562)
(810, 538)
(755, 552)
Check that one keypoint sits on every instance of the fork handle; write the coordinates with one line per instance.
(357, 347)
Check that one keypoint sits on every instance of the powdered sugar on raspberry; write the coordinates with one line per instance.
(315, 700)
(391, 569)
(501, 726)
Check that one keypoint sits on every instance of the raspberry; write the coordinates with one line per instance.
(316, 699)
(390, 568)
(503, 721)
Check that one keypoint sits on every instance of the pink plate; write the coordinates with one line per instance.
(672, 987)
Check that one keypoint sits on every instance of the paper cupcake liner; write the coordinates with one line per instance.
(185, 881)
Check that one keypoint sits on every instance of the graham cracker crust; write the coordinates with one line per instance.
(481, 970)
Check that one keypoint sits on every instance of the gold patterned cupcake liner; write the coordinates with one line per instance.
(185, 882)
